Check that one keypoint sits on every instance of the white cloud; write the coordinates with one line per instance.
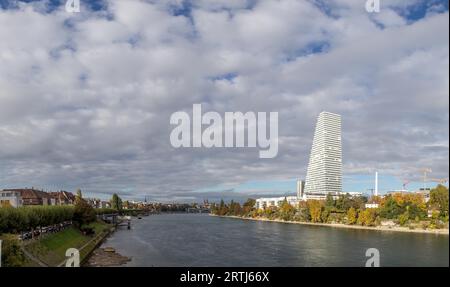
(85, 99)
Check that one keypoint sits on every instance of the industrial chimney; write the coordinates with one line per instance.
(376, 183)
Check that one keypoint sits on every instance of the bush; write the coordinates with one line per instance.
(403, 219)
(12, 254)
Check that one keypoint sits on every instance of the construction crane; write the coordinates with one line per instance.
(442, 181)
(425, 172)
(405, 183)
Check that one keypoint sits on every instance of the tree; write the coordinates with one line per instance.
(79, 194)
(439, 200)
(351, 216)
(222, 208)
(403, 218)
(287, 211)
(83, 213)
(315, 210)
(329, 202)
(305, 214)
(116, 202)
(368, 217)
(390, 208)
(248, 206)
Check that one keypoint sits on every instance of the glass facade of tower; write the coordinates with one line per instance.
(324, 173)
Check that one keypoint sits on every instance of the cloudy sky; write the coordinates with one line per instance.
(86, 98)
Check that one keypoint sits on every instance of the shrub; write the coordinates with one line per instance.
(12, 254)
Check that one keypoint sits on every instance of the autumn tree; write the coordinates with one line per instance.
(351, 216)
(287, 211)
(315, 210)
(368, 217)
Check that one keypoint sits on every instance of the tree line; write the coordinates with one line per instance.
(26, 218)
(404, 209)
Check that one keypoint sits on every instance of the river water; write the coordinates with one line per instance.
(203, 240)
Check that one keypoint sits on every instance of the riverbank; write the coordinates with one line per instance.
(106, 257)
(51, 249)
(340, 225)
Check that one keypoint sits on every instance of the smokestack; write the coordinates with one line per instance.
(376, 183)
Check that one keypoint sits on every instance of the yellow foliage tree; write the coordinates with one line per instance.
(351, 216)
(315, 210)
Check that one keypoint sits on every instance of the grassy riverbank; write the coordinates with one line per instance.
(51, 249)
(340, 225)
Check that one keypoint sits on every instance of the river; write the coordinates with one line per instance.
(202, 240)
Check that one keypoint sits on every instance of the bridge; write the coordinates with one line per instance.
(197, 210)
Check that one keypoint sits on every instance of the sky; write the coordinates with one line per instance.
(86, 98)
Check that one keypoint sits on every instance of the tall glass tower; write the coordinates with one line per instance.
(324, 174)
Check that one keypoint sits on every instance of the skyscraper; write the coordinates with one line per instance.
(324, 174)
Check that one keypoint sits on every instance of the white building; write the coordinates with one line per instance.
(10, 198)
(262, 203)
(371, 205)
(324, 174)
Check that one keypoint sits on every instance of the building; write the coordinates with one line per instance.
(31, 196)
(105, 204)
(324, 173)
(10, 198)
(263, 203)
(425, 192)
(371, 205)
(300, 189)
(63, 197)
(94, 202)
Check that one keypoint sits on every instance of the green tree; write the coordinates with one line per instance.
(248, 206)
(390, 208)
(325, 215)
(329, 202)
(116, 202)
(83, 213)
(439, 200)
(79, 194)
